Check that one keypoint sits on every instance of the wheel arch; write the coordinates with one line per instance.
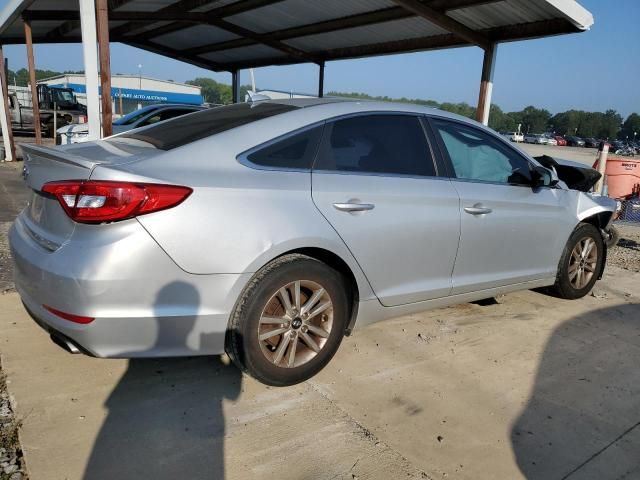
(600, 220)
(336, 262)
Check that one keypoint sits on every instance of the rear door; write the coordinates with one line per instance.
(511, 232)
(375, 181)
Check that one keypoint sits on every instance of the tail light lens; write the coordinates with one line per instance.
(70, 316)
(82, 119)
(97, 201)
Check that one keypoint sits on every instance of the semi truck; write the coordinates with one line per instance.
(57, 101)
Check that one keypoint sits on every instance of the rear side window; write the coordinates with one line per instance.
(190, 128)
(386, 144)
(295, 151)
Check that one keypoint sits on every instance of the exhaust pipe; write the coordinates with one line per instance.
(64, 343)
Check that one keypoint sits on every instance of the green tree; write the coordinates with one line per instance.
(216, 92)
(501, 121)
(21, 77)
(462, 108)
(631, 125)
(533, 120)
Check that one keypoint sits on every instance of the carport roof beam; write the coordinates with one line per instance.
(443, 21)
(32, 81)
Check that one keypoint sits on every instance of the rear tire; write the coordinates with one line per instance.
(581, 263)
(289, 320)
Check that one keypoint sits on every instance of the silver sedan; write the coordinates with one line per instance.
(270, 230)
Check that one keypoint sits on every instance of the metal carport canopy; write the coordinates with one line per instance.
(230, 35)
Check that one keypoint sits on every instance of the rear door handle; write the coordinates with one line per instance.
(353, 207)
(477, 210)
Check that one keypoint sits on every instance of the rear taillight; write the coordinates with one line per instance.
(82, 119)
(97, 201)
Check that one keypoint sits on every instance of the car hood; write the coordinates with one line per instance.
(576, 175)
(73, 128)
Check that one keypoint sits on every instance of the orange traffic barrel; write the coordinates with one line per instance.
(623, 176)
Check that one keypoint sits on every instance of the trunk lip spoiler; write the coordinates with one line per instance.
(57, 155)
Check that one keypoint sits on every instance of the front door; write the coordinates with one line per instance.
(375, 181)
(510, 232)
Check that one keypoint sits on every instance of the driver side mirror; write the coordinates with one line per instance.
(543, 177)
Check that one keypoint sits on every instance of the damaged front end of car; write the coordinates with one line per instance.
(591, 206)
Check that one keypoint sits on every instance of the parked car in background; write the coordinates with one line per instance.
(549, 140)
(78, 133)
(591, 142)
(573, 141)
(270, 230)
(560, 141)
(616, 145)
(517, 137)
(536, 138)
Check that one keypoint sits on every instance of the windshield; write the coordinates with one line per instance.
(134, 116)
(63, 97)
(189, 128)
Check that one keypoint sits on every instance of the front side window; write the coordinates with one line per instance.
(476, 155)
(295, 151)
(385, 144)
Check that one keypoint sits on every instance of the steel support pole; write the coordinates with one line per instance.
(102, 10)
(235, 86)
(602, 168)
(486, 84)
(5, 114)
(321, 80)
(90, 54)
(32, 81)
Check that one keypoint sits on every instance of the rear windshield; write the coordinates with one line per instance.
(196, 126)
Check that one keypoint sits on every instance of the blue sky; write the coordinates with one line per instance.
(595, 70)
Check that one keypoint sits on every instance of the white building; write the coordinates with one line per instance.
(130, 91)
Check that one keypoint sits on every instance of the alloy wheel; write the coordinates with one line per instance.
(583, 262)
(295, 323)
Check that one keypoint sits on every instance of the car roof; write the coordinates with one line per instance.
(338, 105)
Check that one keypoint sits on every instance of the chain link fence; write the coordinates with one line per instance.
(630, 212)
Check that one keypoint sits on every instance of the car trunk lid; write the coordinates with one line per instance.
(44, 219)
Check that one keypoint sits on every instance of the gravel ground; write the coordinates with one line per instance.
(13, 197)
(627, 253)
(11, 458)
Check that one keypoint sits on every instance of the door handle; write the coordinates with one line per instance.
(353, 207)
(477, 210)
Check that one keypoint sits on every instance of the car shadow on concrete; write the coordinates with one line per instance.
(165, 417)
(582, 419)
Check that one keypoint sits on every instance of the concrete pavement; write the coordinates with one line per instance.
(531, 387)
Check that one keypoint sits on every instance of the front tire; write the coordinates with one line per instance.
(289, 321)
(581, 263)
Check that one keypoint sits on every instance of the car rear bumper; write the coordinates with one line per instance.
(142, 303)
